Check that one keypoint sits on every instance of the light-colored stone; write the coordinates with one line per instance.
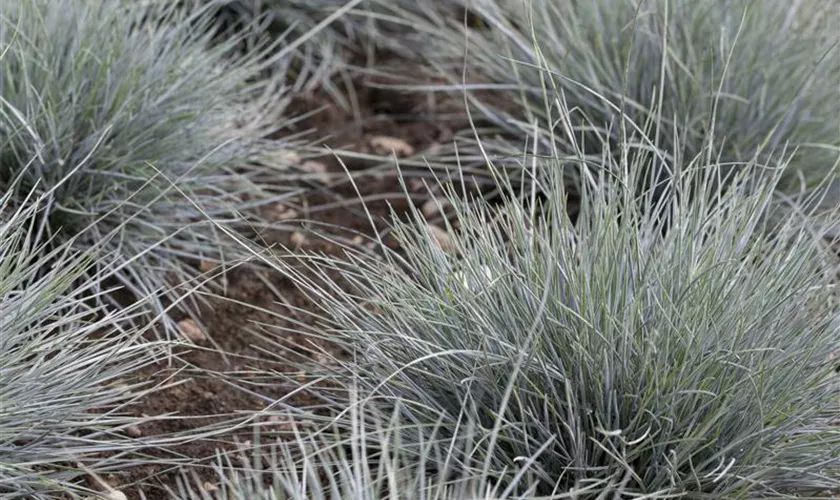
(284, 213)
(133, 431)
(416, 185)
(441, 238)
(322, 359)
(434, 207)
(282, 158)
(191, 330)
(122, 386)
(109, 495)
(318, 169)
(385, 145)
(206, 267)
(290, 157)
(209, 487)
(297, 239)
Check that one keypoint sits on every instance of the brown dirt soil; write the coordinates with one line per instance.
(204, 393)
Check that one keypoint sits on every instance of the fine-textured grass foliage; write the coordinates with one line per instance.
(139, 129)
(365, 455)
(669, 329)
(61, 364)
(318, 30)
(748, 77)
(298, 15)
(673, 343)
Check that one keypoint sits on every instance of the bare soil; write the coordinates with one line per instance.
(213, 386)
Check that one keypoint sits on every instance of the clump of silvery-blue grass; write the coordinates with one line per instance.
(144, 134)
(317, 34)
(64, 364)
(364, 455)
(674, 341)
(744, 77)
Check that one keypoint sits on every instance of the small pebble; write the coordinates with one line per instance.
(385, 145)
(297, 239)
(206, 267)
(209, 487)
(287, 213)
(109, 495)
(290, 157)
(441, 238)
(283, 159)
(322, 359)
(319, 169)
(416, 185)
(433, 207)
(133, 431)
(191, 330)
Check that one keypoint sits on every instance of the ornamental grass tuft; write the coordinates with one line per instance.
(670, 342)
(369, 455)
(145, 135)
(729, 79)
(64, 363)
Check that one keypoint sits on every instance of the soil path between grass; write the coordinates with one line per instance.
(203, 392)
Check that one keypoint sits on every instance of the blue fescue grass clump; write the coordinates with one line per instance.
(368, 455)
(674, 342)
(64, 364)
(140, 130)
(316, 28)
(744, 77)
